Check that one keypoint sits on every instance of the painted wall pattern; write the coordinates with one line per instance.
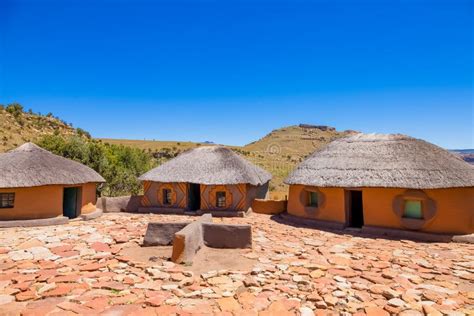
(235, 197)
(153, 195)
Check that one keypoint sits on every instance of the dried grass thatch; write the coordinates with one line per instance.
(30, 166)
(211, 165)
(387, 161)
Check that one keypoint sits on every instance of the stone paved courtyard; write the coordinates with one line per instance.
(80, 268)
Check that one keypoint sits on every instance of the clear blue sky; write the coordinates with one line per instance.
(231, 71)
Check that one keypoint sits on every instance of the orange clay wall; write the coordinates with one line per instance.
(89, 198)
(269, 207)
(454, 209)
(34, 203)
(44, 202)
(332, 209)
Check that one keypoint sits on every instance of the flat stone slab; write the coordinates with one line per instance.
(162, 234)
(97, 213)
(227, 236)
(188, 237)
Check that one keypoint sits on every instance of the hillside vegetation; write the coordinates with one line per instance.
(18, 127)
(121, 161)
(278, 152)
(119, 165)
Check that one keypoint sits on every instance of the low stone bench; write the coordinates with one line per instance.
(227, 236)
(162, 234)
(188, 237)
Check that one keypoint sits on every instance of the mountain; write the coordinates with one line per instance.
(466, 154)
(18, 127)
(283, 149)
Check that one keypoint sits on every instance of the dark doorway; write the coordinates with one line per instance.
(194, 197)
(70, 202)
(355, 209)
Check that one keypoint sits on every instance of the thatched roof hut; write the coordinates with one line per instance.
(385, 161)
(32, 166)
(209, 165)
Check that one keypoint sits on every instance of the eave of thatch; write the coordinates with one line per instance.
(31, 166)
(386, 161)
(211, 165)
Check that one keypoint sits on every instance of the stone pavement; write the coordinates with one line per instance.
(77, 269)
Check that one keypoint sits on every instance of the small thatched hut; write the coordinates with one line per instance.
(390, 181)
(36, 184)
(205, 179)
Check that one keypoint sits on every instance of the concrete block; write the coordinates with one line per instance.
(89, 216)
(162, 234)
(189, 240)
(227, 236)
(119, 204)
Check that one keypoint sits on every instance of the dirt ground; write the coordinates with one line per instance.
(206, 259)
(98, 267)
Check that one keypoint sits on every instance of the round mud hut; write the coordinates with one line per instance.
(208, 179)
(375, 181)
(36, 184)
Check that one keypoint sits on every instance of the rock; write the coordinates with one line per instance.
(41, 253)
(248, 282)
(306, 311)
(47, 287)
(316, 274)
(376, 311)
(19, 255)
(228, 304)
(389, 293)
(4, 299)
(219, 280)
(169, 287)
(396, 302)
(100, 247)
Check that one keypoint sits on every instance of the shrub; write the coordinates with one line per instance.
(119, 165)
(15, 109)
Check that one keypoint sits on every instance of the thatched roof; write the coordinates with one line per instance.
(388, 161)
(208, 165)
(30, 166)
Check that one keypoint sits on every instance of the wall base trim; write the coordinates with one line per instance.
(316, 223)
(162, 210)
(406, 234)
(60, 220)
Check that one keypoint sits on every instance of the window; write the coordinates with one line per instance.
(167, 197)
(220, 199)
(313, 200)
(413, 209)
(7, 200)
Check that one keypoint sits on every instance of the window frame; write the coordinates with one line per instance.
(310, 200)
(218, 201)
(10, 200)
(167, 196)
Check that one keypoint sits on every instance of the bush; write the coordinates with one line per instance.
(15, 109)
(83, 133)
(119, 165)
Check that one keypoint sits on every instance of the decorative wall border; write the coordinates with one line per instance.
(228, 197)
(170, 187)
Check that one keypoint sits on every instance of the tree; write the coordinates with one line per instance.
(119, 165)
